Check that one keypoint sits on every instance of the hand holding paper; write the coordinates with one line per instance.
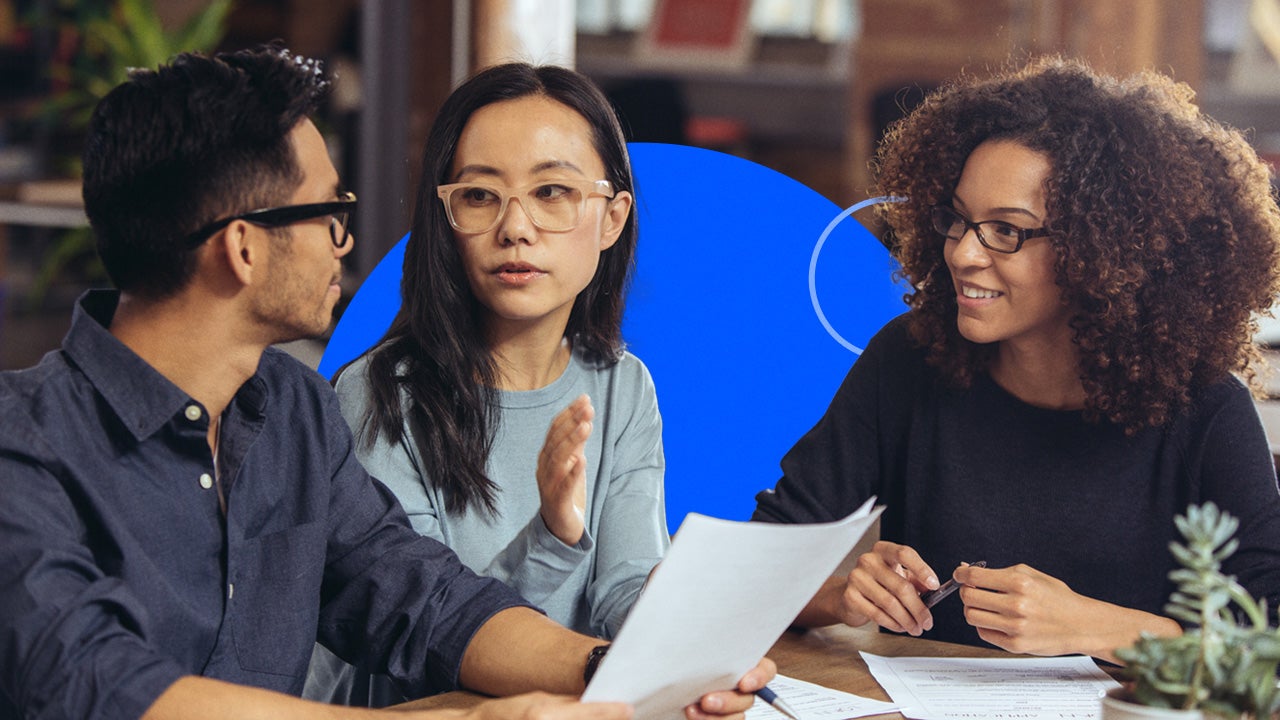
(719, 600)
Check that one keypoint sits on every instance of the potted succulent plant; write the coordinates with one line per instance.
(1224, 665)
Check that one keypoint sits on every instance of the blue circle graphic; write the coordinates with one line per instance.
(720, 311)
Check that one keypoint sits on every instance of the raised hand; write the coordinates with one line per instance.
(562, 471)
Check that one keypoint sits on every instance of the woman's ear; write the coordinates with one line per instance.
(615, 219)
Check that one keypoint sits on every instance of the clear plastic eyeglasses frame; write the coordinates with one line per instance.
(551, 205)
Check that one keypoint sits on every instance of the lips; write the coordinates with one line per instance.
(517, 267)
(518, 274)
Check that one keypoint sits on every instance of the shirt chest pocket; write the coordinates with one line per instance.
(275, 598)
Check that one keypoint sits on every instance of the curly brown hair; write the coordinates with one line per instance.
(1165, 228)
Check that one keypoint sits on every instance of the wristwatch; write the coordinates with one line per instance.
(593, 661)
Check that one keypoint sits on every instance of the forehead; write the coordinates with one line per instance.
(1002, 173)
(516, 136)
(319, 177)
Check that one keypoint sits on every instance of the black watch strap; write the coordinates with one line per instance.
(593, 662)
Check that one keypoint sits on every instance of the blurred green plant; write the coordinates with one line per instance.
(108, 39)
(115, 36)
(1226, 665)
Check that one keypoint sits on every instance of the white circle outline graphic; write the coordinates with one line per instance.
(813, 265)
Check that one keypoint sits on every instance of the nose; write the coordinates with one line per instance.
(515, 226)
(968, 250)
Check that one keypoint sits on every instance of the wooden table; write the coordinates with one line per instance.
(827, 656)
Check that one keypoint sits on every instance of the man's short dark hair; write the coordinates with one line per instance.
(173, 149)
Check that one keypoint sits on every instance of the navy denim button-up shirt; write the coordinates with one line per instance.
(119, 572)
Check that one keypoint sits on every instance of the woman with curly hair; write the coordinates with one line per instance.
(1086, 256)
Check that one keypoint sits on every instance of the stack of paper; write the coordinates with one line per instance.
(931, 688)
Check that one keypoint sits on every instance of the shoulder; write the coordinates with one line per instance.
(891, 359)
(894, 341)
(52, 373)
(279, 368)
(352, 382)
(627, 368)
(42, 396)
(631, 369)
(19, 391)
(289, 384)
(1227, 400)
(623, 392)
(626, 378)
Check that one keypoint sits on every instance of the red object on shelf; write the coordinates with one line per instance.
(715, 132)
(699, 23)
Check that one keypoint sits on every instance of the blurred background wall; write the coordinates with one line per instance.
(801, 86)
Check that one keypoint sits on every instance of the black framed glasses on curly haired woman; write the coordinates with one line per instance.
(1000, 236)
(340, 211)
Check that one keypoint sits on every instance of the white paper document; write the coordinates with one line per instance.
(721, 597)
(815, 702)
(930, 688)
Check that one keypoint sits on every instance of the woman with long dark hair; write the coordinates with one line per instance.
(501, 406)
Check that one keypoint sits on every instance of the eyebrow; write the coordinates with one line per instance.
(540, 167)
(955, 200)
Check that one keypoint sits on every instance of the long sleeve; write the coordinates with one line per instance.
(1236, 472)
(68, 631)
(533, 562)
(589, 586)
(631, 528)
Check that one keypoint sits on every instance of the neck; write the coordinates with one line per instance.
(1042, 374)
(193, 341)
(529, 358)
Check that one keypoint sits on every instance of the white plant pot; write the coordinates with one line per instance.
(1117, 706)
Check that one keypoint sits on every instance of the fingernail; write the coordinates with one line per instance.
(928, 623)
(932, 582)
(713, 703)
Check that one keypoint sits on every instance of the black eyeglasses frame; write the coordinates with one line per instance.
(1023, 234)
(341, 209)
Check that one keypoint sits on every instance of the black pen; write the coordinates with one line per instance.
(768, 695)
(933, 597)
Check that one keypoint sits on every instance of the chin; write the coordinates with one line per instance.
(978, 333)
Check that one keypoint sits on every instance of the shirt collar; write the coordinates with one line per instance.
(141, 397)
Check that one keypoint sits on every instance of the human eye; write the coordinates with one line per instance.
(1004, 230)
(477, 195)
(554, 192)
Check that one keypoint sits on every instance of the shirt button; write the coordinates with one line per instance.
(206, 481)
(193, 412)
(231, 590)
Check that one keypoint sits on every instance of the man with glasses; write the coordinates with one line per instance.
(182, 516)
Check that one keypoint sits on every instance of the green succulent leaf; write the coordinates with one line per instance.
(1220, 666)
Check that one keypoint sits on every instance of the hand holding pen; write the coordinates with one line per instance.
(884, 588)
(933, 597)
(769, 696)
